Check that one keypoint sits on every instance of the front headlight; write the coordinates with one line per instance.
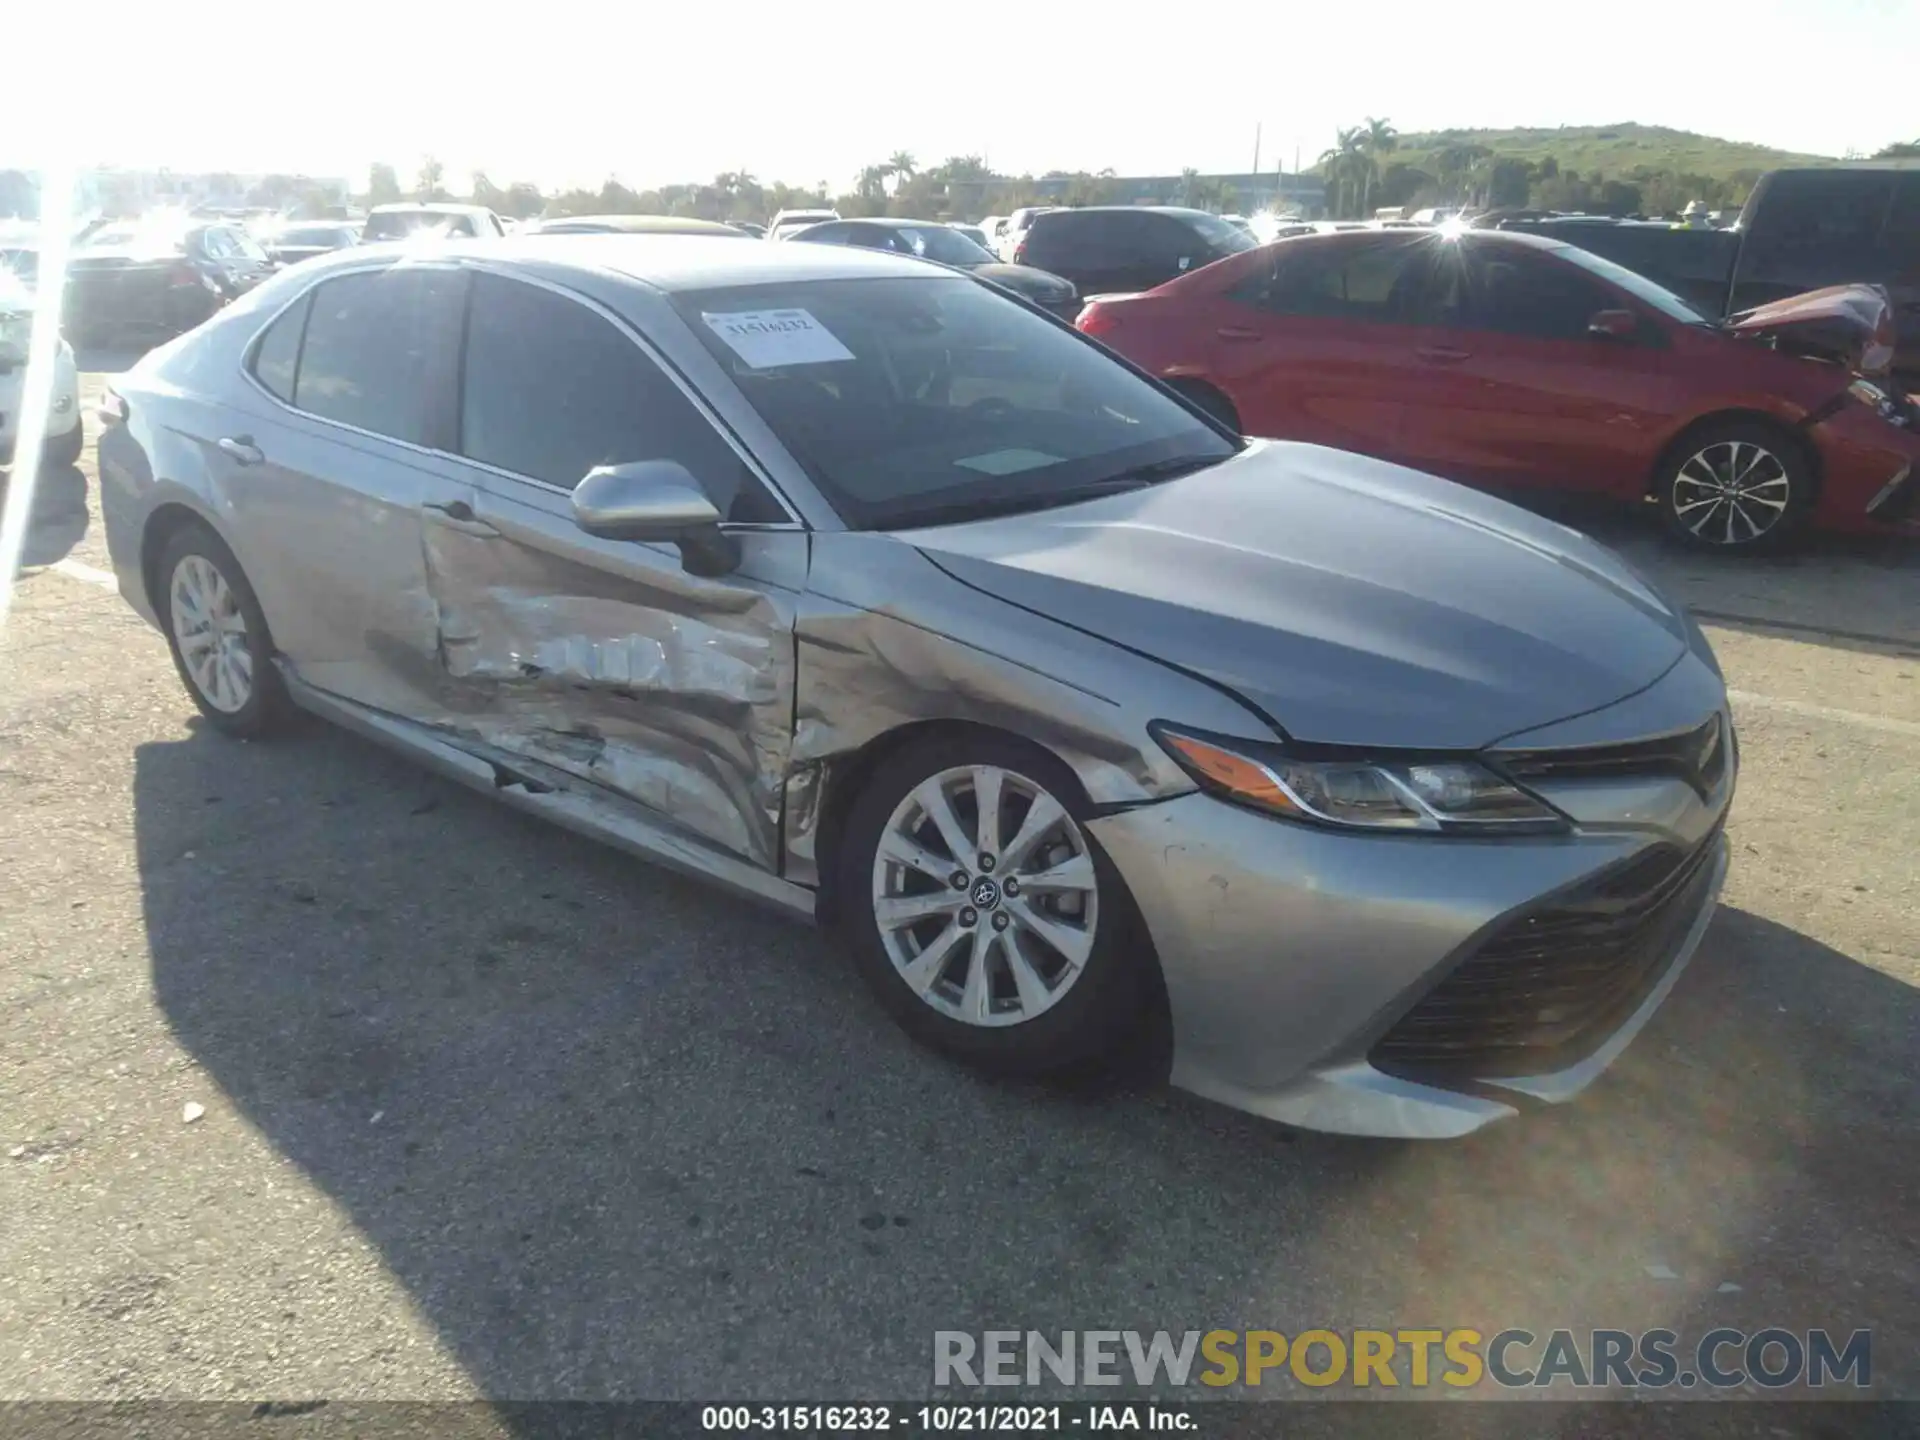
(1363, 793)
(1890, 406)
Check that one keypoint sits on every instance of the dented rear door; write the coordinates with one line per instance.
(604, 661)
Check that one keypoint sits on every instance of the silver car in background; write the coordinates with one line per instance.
(864, 590)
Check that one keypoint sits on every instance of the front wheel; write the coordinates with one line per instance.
(1737, 486)
(219, 636)
(982, 913)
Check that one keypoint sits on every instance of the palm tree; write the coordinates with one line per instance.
(1347, 166)
(1379, 138)
(1188, 177)
(902, 165)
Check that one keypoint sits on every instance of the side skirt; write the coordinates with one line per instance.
(581, 813)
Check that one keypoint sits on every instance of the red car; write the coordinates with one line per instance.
(1509, 361)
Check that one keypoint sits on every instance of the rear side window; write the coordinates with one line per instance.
(1069, 236)
(370, 348)
(1903, 221)
(1377, 282)
(552, 389)
(1836, 210)
(277, 356)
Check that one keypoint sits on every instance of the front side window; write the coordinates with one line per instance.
(552, 389)
(1647, 292)
(924, 400)
(371, 347)
(1514, 293)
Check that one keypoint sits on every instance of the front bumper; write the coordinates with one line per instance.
(1870, 473)
(65, 413)
(1298, 960)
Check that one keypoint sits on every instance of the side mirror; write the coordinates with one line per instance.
(656, 500)
(1614, 325)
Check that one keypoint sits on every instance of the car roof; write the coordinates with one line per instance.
(666, 262)
(435, 207)
(643, 224)
(1179, 212)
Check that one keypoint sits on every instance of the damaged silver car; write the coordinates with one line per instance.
(867, 590)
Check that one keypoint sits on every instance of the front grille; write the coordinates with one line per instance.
(1545, 990)
(1698, 756)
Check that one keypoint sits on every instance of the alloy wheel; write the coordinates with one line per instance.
(1732, 492)
(985, 895)
(211, 631)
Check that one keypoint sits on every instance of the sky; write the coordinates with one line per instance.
(566, 92)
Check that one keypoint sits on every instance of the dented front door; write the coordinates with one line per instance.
(605, 661)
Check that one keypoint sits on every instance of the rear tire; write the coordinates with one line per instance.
(221, 646)
(1736, 485)
(1028, 957)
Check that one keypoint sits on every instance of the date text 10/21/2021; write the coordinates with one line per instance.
(943, 1419)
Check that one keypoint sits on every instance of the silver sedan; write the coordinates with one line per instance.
(882, 598)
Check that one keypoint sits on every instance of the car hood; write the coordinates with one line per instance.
(1851, 324)
(1042, 287)
(1353, 601)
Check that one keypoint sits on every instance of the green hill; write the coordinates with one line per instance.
(1610, 150)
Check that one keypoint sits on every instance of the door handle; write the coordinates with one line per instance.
(458, 515)
(1237, 332)
(1442, 354)
(240, 449)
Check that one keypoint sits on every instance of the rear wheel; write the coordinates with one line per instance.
(982, 913)
(1736, 486)
(219, 636)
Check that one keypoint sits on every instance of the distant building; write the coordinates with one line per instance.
(127, 192)
(1304, 194)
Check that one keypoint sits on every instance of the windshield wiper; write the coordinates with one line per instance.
(1154, 472)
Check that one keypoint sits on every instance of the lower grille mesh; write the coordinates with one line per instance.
(1547, 989)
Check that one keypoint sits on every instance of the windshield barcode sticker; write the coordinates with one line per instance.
(769, 338)
(1008, 462)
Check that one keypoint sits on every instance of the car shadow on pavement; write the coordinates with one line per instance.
(58, 520)
(620, 1136)
(1843, 591)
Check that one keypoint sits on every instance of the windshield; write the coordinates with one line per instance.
(127, 237)
(313, 235)
(949, 247)
(1223, 235)
(925, 400)
(400, 224)
(1638, 286)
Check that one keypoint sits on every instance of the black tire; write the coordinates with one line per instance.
(1094, 1017)
(1209, 399)
(268, 708)
(64, 450)
(1768, 513)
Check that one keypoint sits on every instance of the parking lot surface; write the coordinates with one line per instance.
(482, 1110)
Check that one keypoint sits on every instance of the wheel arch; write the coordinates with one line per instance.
(846, 779)
(1689, 433)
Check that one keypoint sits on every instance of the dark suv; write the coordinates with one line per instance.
(1800, 230)
(1115, 248)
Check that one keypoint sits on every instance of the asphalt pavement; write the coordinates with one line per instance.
(322, 1077)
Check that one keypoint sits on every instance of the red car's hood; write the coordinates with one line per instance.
(1852, 324)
